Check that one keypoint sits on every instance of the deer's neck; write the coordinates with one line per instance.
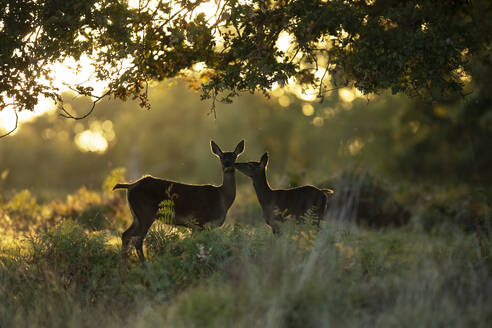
(263, 190)
(228, 187)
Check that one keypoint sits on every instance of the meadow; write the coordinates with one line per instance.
(406, 242)
(59, 267)
(388, 103)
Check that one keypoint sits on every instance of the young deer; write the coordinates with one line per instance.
(277, 203)
(190, 205)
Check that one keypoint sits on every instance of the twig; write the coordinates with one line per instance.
(320, 93)
(66, 114)
(15, 127)
(212, 110)
(217, 16)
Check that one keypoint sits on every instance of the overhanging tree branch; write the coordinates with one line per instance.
(66, 114)
(15, 127)
(375, 45)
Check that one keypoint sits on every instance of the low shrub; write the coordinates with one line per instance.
(464, 210)
(240, 275)
(362, 198)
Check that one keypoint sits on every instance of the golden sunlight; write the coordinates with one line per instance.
(347, 95)
(91, 141)
(329, 112)
(96, 138)
(318, 121)
(306, 95)
(307, 109)
(67, 72)
(284, 101)
(7, 115)
(277, 91)
(72, 72)
(284, 41)
(208, 8)
(355, 146)
(199, 66)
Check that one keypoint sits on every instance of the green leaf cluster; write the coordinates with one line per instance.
(417, 47)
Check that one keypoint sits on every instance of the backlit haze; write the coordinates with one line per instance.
(96, 138)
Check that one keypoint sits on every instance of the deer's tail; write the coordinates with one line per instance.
(328, 192)
(123, 186)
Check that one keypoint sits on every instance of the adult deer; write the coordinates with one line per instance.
(277, 204)
(190, 205)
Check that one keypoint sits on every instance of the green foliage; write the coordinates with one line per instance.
(362, 197)
(166, 212)
(51, 271)
(115, 176)
(310, 216)
(183, 257)
(243, 276)
(79, 260)
(462, 209)
(93, 218)
(342, 273)
(21, 212)
(398, 138)
(435, 141)
(23, 202)
(409, 46)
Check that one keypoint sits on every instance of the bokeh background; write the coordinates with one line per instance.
(395, 138)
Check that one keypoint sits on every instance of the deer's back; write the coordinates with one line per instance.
(202, 203)
(297, 201)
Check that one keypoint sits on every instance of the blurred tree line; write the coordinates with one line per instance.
(441, 49)
(400, 139)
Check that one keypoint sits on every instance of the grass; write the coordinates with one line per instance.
(67, 275)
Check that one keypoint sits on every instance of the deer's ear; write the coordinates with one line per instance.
(215, 149)
(264, 159)
(239, 148)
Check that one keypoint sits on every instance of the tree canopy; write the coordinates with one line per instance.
(418, 47)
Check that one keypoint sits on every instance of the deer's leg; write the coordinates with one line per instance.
(275, 228)
(126, 238)
(139, 240)
(318, 217)
(139, 248)
(147, 216)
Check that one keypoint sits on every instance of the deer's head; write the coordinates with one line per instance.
(253, 169)
(227, 159)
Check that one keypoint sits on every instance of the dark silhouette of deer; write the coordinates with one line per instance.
(281, 203)
(183, 204)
